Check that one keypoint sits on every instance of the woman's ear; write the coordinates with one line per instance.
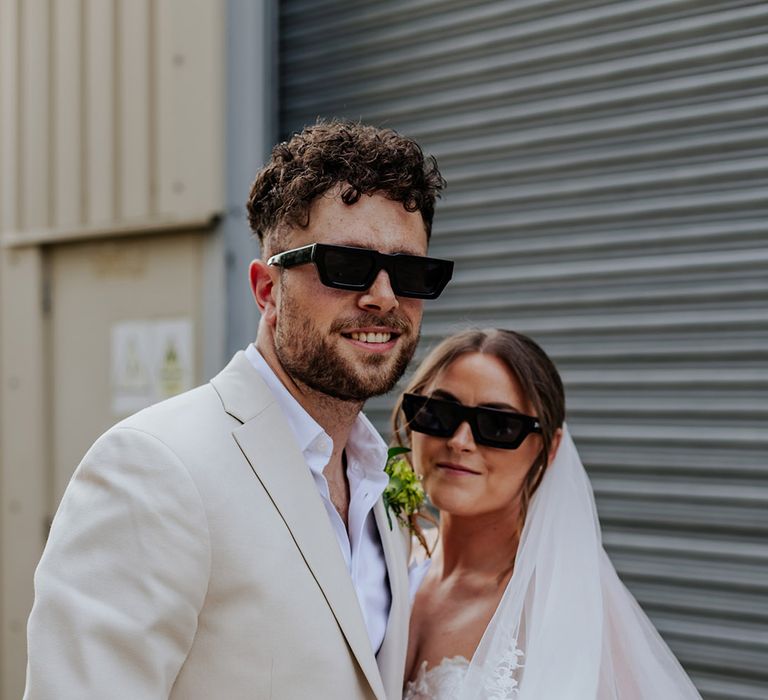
(264, 288)
(556, 438)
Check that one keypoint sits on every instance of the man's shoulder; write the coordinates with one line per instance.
(179, 423)
(216, 400)
(187, 434)
(201, 401)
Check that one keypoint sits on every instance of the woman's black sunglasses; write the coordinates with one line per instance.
(490, 426)
(355, 269)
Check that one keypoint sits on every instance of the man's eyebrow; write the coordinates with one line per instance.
(397, 251)
(403, 251)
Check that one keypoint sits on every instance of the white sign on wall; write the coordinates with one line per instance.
(151, 361)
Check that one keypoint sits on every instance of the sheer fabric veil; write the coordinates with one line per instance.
(566, 627)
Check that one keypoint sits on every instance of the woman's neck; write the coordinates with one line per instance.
(483, 545)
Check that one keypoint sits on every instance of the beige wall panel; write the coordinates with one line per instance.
(99, 111)
(9, 17)
(189, 97)
(116, 108)
(214, 309)
(34, 116)
(12, 645)
(111, 122)
(134, 107)
(67, 113)
(24, 479)
(96, 285)
(5, 564)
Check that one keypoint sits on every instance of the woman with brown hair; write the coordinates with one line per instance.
(519, 599)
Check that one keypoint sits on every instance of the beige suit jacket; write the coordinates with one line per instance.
(191, 557)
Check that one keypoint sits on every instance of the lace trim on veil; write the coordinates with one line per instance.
(502, 682)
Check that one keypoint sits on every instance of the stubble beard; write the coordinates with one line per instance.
(309, 357)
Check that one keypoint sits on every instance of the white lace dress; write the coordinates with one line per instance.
(444, 681)
(441, 682)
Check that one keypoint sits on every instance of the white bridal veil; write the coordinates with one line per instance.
(566, 627)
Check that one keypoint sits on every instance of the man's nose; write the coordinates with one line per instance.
(380, 296)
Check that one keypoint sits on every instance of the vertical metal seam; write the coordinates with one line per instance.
(20, 169)
(50, 217)
(84, 119)
(117, 117)
(152, 67)
(3, 216)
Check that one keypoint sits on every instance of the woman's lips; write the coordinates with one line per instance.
(457, 469)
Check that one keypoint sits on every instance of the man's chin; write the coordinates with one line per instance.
(377, 360)
(347, 372)
(355, 391)
(375, 376)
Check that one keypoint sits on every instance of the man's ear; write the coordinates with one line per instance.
(263, 280)
(556, 438)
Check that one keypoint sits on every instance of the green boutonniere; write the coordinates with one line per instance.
(404, 493)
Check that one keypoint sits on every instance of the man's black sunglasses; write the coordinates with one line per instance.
(355, 269)
(490, 426)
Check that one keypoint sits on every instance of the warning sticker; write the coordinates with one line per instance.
(151, 361)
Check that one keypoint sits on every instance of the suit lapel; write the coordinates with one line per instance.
(268, 444)
(391, 656)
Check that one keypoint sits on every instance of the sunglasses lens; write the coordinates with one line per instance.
(436, 418)
(348, 267)
(499, 427)
(420, 276)
(490, 427)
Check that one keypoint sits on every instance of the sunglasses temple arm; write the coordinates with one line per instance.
(290, 258)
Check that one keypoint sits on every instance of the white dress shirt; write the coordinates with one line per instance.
(366, 455)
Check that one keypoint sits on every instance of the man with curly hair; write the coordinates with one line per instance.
(232, 542)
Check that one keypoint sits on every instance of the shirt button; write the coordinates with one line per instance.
(322, 445)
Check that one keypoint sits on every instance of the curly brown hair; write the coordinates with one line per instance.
(363, 159)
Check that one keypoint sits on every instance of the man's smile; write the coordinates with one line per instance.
(373, 339)
(372, 336)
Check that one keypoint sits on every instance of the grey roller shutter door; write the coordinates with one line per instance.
(608, 171)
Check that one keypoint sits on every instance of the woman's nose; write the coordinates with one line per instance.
(462, 439)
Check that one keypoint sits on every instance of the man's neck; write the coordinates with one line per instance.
(335, 416)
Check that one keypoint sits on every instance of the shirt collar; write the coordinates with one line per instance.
(305, 429)
(366, 450)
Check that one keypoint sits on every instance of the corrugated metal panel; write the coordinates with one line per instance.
(608, 170)
(112, 117)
